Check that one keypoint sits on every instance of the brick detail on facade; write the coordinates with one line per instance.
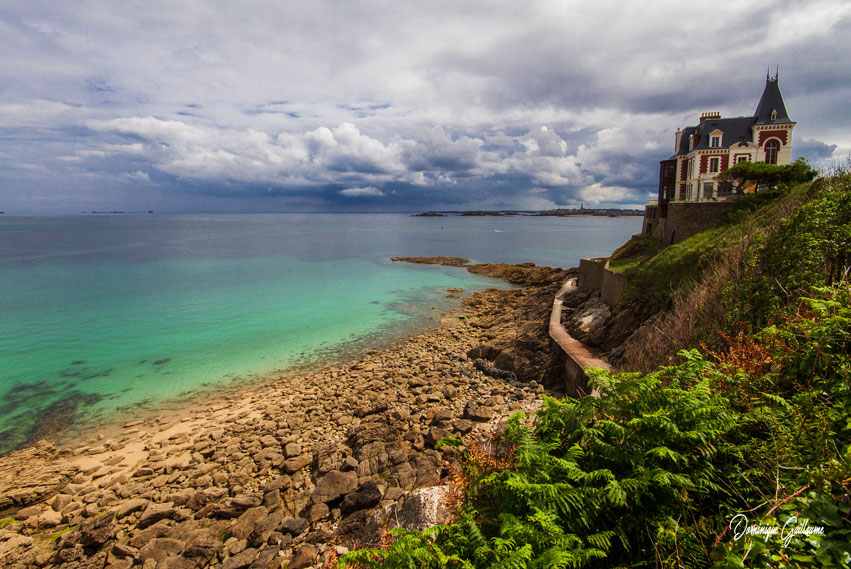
(764, 135)
(704, 161)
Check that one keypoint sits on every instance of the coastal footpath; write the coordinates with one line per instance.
(296, 471)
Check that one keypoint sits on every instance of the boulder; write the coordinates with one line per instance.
(589, 322)
(131, 506)
(294, 526)
(264, 528)
(292, 450)
(366, 496)
(297, 463)
(268, 559)
(304, 557)
(17, 551)
(246, 523)
(161, 547)
(240, 560)
(49, 518)
(32, 475)
(417, 510)
(122, 550)
(156, 512)
(494, 372)
(334, 486)
(202, 551)
(159, 529)
(478, 413)
(96, 531)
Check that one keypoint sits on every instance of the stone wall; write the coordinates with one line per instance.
(594, 274)
(591, 273)
(613, 287)
(688, 218)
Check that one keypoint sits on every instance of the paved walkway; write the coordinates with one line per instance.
(578, 355)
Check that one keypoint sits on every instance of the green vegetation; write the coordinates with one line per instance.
(656, 471)
(681, 267)
(632, 254)
(654, 279)
(4, 522)
(56, 535)
(448, 442)
(762, 176)
(653, 472)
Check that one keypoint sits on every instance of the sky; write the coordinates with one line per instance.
(362, 105)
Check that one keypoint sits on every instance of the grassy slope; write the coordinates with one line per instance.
(656, 274)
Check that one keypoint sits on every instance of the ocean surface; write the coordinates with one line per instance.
(105, 316)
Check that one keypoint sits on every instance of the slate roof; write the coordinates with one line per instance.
(734, 131)
(771, 100)
(738, 129)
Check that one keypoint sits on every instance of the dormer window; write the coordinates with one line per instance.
(774, 115)
(715, 138)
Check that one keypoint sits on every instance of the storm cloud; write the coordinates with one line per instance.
(258, 106)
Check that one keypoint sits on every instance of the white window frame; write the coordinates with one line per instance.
(716, 162)
(774, 153)
(715, 141)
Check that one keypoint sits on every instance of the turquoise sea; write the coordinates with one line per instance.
(104, 315)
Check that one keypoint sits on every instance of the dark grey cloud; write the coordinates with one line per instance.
(815, 151)
(364, 105)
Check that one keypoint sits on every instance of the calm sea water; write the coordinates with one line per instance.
(104, 315)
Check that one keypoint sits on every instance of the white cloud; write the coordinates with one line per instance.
(597, 194)
(369, 191)
(137, 176)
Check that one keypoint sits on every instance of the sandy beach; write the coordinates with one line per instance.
(290, 470)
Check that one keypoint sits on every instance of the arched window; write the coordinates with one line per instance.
(771, 148)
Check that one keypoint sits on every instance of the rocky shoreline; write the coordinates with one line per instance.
(297, 470)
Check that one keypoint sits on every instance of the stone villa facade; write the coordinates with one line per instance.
(701, 152)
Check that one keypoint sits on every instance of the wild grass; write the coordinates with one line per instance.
(703, 286)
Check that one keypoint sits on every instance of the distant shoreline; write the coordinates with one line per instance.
(548, 213)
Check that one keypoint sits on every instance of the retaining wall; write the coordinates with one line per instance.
(578, 355)
(595, 274)
(688, 218)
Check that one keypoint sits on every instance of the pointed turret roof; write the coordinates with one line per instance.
(771, 102)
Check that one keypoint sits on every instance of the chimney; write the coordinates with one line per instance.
(677, 139)
(709, 115)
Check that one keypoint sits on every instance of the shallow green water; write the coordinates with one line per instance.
(102, 315)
